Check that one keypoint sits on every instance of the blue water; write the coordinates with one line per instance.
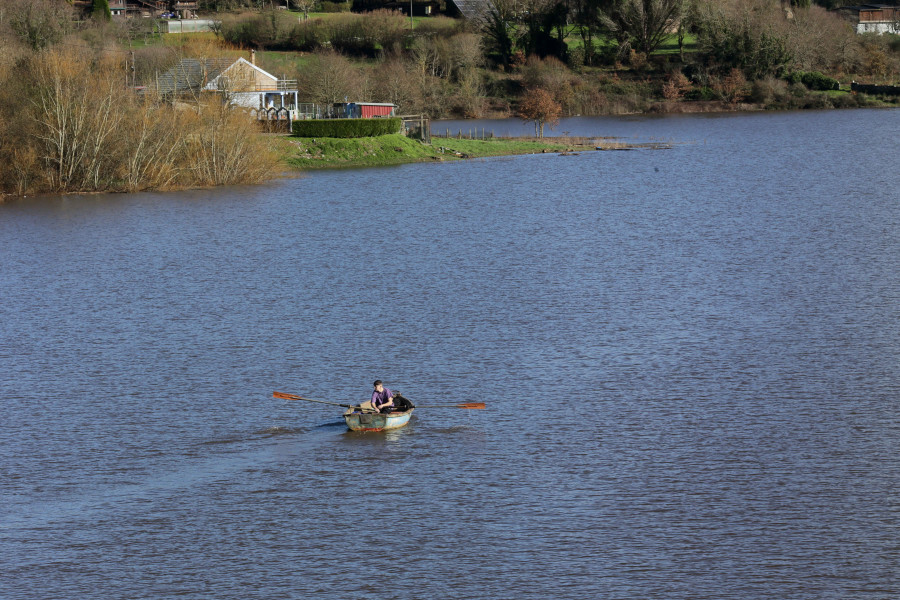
(689, 358)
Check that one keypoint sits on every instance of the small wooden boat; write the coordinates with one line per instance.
(365, 419)
(362, 417)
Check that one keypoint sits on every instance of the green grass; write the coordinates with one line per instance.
(500, 146)
(322, 153)
(279, 63)
(318, 153)
(669, 45)
(438, 21)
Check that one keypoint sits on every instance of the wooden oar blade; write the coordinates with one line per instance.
(475, 405)
(284, 396)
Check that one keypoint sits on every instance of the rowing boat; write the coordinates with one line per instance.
(361, 419)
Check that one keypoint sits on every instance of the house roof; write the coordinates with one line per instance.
(214, 81)
(196, 74)
(191, 74)
(472, 9)
(860, 7)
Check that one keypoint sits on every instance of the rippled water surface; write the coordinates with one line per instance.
(689, 357)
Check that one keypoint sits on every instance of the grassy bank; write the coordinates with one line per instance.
(324, 153)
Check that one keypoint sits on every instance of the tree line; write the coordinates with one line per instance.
(591, 56)
(71, 119)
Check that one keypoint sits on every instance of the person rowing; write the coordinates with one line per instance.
(382, 398)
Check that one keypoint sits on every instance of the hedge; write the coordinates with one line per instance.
(346, 128)
(814, 80)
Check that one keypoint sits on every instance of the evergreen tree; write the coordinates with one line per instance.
(101, 10)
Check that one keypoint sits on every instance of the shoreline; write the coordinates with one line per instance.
(308, 154)
(296, 155)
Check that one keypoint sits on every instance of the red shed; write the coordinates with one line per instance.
(367, 110)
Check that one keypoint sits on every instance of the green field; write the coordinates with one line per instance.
(323, 153)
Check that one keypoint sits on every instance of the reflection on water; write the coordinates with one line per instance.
(688, 359)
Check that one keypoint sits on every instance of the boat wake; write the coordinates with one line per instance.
(453, 429)
(276, 430)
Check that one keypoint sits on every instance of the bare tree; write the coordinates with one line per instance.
(328, 79)
(150, 148)
(38, 23)
(223, 147)
(395, 81)
(470, 92)
(76, 114)
(752, 35)
(498, 24)
(820, 39)
(645, 22)
(304, 6)
(78, 128)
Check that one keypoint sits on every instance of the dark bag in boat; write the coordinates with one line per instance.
(402, 404)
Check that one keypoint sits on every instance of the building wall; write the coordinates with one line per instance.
(245, 99)
(242, 77)
(369, 111)
(187, 25)
(877, 27)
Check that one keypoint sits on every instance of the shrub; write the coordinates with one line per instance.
(346, 128)
(552, 75)
(270, 29)
(336, 7)
(307, 36)
(733, 87)
(439, 27)
(348, 35)
(701, 93)
(385, 28)
(751, 35)
(846, 100)
(769, 91)
(675, 86)
(814, 80)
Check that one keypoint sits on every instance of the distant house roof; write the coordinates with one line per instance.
(874, 9)
(472, 9)
(243, 76)
(192, 75)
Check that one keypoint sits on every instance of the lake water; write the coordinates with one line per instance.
(690, 358)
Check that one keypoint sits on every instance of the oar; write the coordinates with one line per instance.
(475, 405)
(284, 396)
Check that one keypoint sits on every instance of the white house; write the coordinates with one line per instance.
(240, 82)
(873, 18)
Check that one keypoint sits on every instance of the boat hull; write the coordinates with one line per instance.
(357, 421)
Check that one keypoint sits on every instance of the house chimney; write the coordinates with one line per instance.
(253, 57)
